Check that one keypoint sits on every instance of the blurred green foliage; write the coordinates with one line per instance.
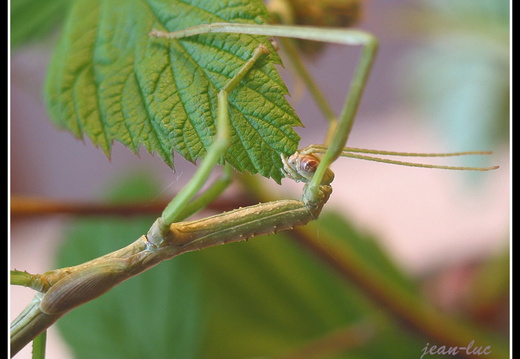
(32, 20)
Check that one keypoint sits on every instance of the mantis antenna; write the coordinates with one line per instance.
(352, 152)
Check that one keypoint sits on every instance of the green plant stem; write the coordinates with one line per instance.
(33, 281)
(21, 278)
(39, 346)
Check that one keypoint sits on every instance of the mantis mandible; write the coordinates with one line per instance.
(61, 290)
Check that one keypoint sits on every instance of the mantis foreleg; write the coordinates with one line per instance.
(339, 36)
(215, 152)
(73, 286)
(208, 195)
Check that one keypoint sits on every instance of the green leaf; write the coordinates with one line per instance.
(112, 82)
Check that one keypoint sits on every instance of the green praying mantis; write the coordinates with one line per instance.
(62, 290)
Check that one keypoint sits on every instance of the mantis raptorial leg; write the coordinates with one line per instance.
(63, 289)
(217, 149)
(338, 36)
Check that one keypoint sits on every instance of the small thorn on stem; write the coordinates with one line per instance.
(275, 44)
(156, 33)
(262, 50)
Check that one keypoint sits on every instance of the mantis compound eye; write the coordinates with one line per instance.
(308, 164)
(301, 167)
